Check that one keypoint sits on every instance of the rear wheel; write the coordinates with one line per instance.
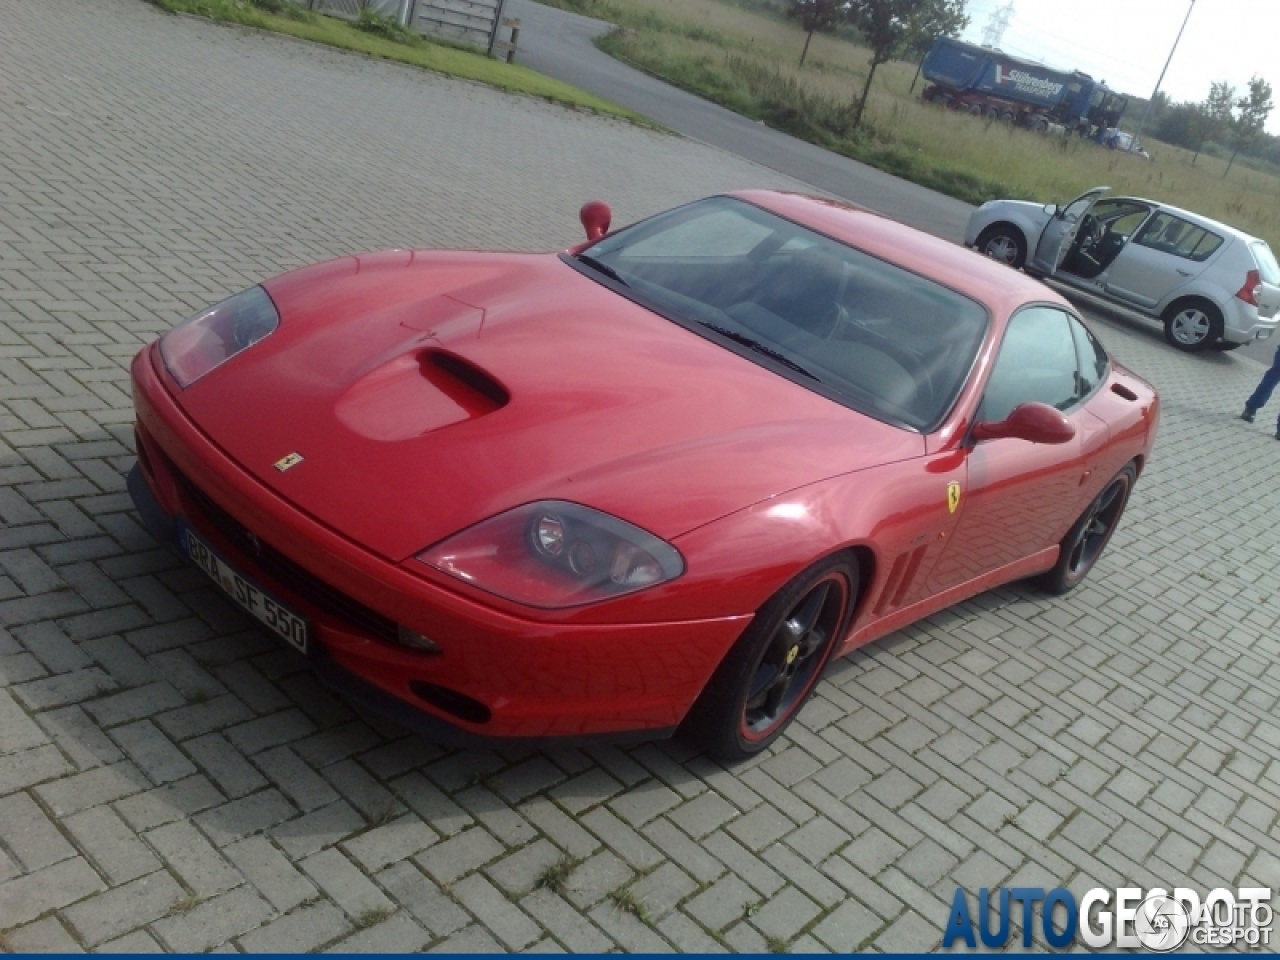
(1089, 535)
(761, 684)
(1192, 325)
(1003, 242)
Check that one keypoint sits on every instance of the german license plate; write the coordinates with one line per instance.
(278, 618)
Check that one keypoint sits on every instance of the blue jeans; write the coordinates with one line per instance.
(1259, 397)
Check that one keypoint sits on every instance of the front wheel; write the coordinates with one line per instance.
(1192, 325)
(766, 677)
(1004, 243)
(1089, 535)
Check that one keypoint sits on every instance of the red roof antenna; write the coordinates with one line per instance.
(596, 217)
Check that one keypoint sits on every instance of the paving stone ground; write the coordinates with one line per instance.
(171, 779)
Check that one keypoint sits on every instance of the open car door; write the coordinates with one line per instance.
(1059, 233)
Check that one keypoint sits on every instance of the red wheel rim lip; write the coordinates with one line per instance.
(798, 700)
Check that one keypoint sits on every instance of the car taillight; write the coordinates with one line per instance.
(1252, 288)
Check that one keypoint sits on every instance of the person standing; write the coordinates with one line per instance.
(1258, 399)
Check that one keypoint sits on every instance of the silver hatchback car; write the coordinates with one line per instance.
(1212, 285)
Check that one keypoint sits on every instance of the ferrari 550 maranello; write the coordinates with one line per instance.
(655, 482)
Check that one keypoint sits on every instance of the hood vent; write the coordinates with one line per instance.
(464, 383)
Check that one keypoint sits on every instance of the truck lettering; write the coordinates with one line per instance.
(1027, 82)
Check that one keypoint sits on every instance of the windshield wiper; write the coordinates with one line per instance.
(601, 267)
(759, 347)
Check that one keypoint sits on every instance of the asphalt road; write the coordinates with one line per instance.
(558, 43)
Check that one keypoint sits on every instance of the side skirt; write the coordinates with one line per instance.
(1019, 569)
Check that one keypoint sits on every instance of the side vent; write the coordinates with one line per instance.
(901, 575)
(1120, 390)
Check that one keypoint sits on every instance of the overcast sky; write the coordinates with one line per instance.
(1126, 42)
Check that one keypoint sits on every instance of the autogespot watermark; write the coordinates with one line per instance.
(1128, 917)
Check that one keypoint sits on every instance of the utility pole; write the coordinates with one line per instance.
(1147, 109)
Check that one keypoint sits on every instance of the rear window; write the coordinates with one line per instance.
(1268, 269)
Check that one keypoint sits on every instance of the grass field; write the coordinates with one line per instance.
(440, 58)
(747, 60)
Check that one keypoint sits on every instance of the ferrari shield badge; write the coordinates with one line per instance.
(953, 495)
(293, 459)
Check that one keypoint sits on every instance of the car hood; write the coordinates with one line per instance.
(425, 392)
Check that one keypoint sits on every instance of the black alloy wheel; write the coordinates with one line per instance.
(1089, 535)
(769, 673)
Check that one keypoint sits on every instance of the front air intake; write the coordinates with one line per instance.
(452, 702)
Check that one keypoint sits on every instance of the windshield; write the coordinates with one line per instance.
(878, 338)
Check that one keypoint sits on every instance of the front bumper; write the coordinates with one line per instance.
(499, 677)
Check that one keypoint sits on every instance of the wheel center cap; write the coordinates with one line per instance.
(792, 654)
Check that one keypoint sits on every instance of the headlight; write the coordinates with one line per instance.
(200, 343)
(556, 554)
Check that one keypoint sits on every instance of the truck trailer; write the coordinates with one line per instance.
(988, 82)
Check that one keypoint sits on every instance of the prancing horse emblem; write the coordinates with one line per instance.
(287, 462)
(953, 495)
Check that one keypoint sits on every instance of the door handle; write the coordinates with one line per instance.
(1181, 272)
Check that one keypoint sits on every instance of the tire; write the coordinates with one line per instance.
(770, 672)
(1192, 325)
(1003, 242)
(1089, 535)
(974, 109)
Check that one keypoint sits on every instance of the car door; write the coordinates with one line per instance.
(1167, 253)
(1056, 237)
(1021, 497)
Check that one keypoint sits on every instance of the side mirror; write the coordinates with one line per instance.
(1051, 208)
(596, 217)
(1033, 422)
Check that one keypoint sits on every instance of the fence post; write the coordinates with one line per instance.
(497, 23)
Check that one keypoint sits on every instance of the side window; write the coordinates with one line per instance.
(1176, 236)
(1093, 358)
(1037, 361)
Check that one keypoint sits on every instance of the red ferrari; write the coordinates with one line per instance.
(655, 482)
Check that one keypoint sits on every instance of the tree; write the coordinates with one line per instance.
(1253, 110)
(1188, 125)
(1219, 106)
(814, 16)
(893, 27)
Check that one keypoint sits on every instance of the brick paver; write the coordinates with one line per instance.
(171, 778)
